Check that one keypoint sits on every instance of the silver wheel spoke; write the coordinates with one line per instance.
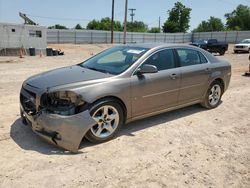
(112, 117)
(97, 119)
(212, 89)
(99, 131)
(109, 128)
(210, 97)
(105, 110)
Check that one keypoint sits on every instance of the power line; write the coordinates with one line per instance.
(56, 18)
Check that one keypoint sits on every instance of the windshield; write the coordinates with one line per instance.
(246, 41)
(114, 60)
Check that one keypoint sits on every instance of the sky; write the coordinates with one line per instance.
(70, 13)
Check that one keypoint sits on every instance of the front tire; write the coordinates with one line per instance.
(213, 95)
(109, 117)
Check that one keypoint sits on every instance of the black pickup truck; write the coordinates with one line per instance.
(212, 45)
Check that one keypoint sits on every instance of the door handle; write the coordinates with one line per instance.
(173, 76)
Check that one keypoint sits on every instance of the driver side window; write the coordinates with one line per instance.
(163, 60)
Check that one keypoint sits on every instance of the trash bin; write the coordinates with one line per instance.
(55, 52)
(49, 51)
(32, 51)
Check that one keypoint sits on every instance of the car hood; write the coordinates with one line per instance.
(63, 76)
(242, 44)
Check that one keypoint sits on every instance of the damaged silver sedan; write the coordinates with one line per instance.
(95, 98)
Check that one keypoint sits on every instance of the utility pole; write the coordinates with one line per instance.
(125, 22)
(132, 14)
(112, 22)
(159, 23)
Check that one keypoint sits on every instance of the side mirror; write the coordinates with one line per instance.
(147, 69)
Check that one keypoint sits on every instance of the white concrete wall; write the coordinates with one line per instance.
(20, 37)
(92, 36)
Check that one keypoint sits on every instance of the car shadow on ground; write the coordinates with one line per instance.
(130, 128)
(26, 139)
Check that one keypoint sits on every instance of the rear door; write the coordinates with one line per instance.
(156, 91)
(195, 73)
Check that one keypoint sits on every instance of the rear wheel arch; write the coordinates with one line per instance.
(212, 80)
(222, 83)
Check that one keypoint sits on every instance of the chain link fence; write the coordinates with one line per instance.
(92, 36)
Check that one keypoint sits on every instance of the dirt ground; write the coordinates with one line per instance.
(190, 147)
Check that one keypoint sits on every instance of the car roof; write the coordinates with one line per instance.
(156, 45)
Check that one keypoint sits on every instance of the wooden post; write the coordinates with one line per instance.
(112, 22)
(125, 22)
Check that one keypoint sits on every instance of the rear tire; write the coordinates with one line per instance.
(109, 118)
(213, 95)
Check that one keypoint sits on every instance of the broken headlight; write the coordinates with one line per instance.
(63, 103)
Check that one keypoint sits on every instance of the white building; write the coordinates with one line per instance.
(14, 36)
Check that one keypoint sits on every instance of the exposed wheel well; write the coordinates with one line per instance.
(222, 83)
(113, 98)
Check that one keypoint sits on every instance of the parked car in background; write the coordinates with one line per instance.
(212, 45)
(243, 46)
(125, 83)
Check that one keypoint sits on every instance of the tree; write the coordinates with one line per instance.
(154, 30)
(137, 26)
(104, 24)
(239, 19)
(93, 25)
(212, 24)
(78, 26)
(178, 20)
(57, 26)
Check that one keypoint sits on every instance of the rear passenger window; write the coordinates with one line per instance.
(189, 57)
(202, 57)
(162, 60)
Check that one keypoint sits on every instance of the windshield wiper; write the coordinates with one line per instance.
(95, 69)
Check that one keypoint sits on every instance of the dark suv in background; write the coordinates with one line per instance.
(212, 45)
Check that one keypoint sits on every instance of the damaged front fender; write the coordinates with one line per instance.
(64, 131)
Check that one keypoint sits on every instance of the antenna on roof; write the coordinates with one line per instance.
(26, 19)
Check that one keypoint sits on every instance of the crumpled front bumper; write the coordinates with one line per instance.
(64, 131)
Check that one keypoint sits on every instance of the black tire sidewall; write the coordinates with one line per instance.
(90, 136)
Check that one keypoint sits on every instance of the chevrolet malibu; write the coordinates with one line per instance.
(95, 98)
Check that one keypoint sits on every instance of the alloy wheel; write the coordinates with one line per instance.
(214, 95)
(107, 119)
